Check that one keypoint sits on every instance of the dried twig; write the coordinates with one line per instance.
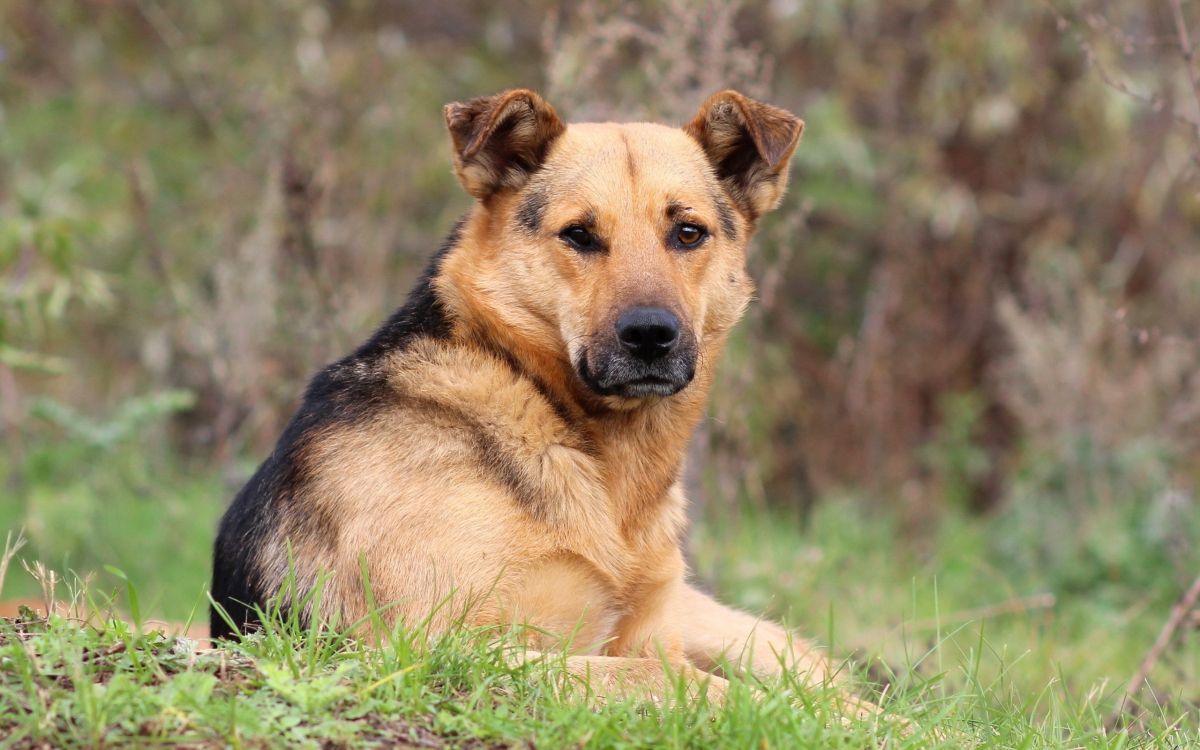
(1012, 606)
(1155, 101)
(47, 579)
(1179, 613)
(11, 548)
(170, 40)
(1188, 53)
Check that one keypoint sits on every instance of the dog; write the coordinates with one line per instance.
(515, 432)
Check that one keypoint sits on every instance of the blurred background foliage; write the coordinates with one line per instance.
(976, 336)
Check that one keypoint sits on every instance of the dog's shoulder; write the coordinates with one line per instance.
(355, 385)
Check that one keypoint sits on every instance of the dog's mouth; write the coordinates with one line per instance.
(650, 386)
(628, 378)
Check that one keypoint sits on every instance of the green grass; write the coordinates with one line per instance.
(997, 632)
(963, 596)
(65, 684)
(88, 494)
(76, 686)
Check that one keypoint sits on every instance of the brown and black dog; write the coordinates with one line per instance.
(515, 433)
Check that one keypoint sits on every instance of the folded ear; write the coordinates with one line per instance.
(500, 140)
(749, 145)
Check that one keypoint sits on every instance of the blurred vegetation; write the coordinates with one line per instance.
(979, 307)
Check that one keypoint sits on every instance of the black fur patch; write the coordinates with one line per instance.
(725, 216)
(492, 455)
(244, 529)
(532, 210)
(346, 391)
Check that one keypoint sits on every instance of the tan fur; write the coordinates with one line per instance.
(572, 522)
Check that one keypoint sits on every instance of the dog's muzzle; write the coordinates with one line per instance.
(650, 353)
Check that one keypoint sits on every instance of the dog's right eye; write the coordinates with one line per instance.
(580, 238)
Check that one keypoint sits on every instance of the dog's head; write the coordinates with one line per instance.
(618, 247)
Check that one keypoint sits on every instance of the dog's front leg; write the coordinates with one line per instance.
(717, 637)
(603, 678)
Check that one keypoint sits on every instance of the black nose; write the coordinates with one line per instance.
(648, 333)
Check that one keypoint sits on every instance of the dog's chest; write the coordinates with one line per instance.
(568, 602)
(564, 604)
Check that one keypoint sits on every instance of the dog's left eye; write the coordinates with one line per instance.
(689, 235)
(580, 238)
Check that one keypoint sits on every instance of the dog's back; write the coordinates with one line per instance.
(346, 391)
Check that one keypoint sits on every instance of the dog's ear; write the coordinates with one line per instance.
(500, 140)
(749, 144)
